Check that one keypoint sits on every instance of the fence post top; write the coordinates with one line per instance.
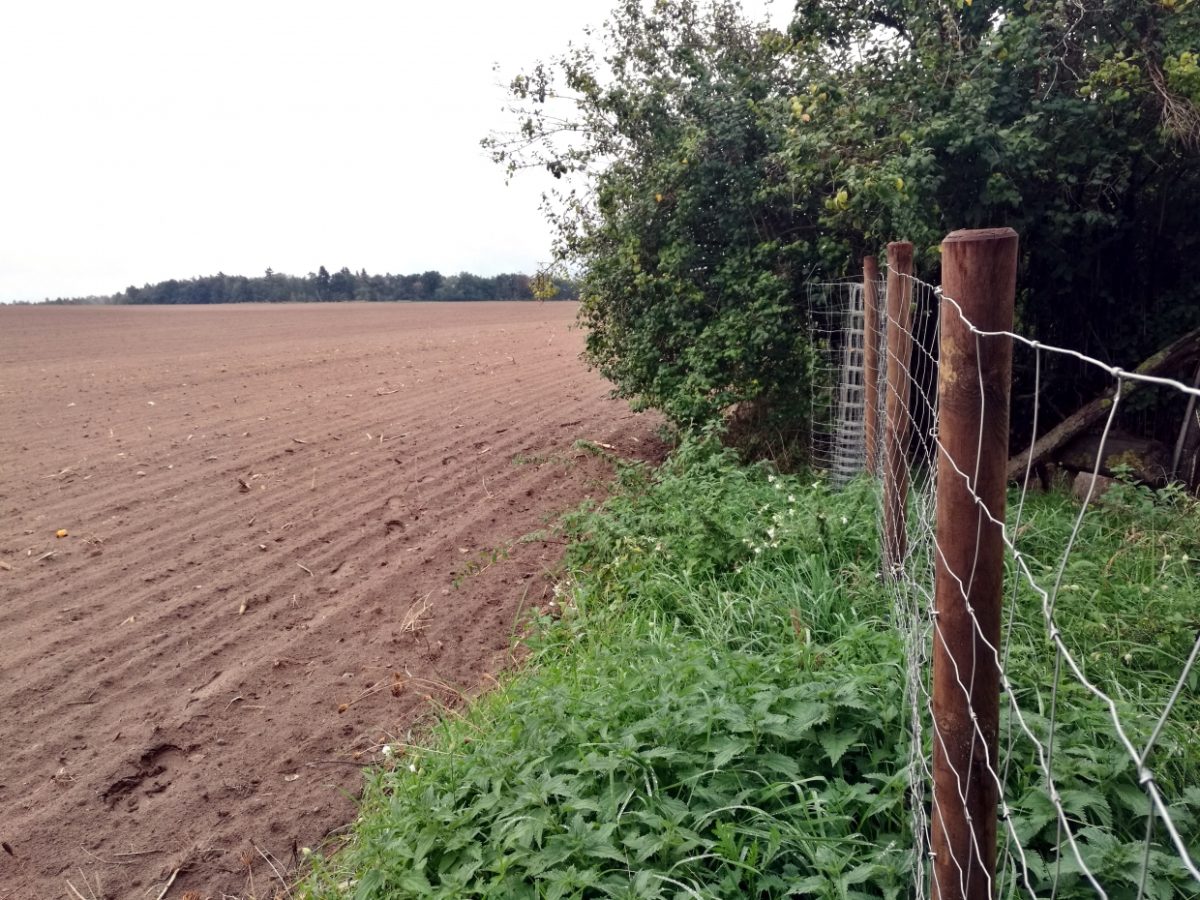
(900, 256)
(979, 234)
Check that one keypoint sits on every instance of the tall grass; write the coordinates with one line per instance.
(716, 709)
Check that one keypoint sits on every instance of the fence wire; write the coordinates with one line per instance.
(1090, 751)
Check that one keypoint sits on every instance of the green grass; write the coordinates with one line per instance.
(716, 709)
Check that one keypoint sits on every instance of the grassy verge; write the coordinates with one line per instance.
(717, 709)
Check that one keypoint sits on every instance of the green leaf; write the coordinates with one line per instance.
(726, 749)
(836, 743)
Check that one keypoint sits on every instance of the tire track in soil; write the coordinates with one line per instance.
(153, 724)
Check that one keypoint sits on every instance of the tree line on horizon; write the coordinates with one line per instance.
(340, 286)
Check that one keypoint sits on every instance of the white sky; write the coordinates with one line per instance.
(153, 140)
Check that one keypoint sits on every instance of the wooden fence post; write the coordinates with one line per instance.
(871, 360)
(896, 425)
(979, 270)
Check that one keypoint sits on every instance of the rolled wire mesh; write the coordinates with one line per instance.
(838, 421)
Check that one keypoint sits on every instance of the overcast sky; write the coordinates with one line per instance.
(151, 140)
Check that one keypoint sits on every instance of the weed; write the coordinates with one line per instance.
(483, 561)
(541, 459)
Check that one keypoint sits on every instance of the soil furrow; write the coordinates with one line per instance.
(180, 698)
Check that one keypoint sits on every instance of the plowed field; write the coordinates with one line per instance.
(287, 527)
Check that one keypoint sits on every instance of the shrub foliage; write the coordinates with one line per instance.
(711, 166)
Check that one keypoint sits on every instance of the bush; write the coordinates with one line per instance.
(715, 165)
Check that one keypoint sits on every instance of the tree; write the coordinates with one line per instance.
(341, 284)
(431, 283)
(543, 287)
(1075, 124)
(690, 279)
(712, 166)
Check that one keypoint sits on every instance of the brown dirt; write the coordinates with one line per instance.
(259, 501)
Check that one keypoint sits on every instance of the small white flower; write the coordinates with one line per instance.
(771, 479)
(845, 521)
(412, 767)
(386, 750)
(1128, 658)
(771, 533)
(758, 549)
(791, 498)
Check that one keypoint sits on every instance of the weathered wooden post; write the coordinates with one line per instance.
(979, 270)
(896, 425)
(871, 333)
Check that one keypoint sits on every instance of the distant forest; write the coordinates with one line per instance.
(323, 287)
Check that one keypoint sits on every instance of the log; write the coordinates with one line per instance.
(1148, 460)
(1172, 358)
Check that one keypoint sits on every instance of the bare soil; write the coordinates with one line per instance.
(287, 529)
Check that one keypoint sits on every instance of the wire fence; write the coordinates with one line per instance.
(1051, 672)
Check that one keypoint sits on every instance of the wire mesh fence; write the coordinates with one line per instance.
(1051, 645)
